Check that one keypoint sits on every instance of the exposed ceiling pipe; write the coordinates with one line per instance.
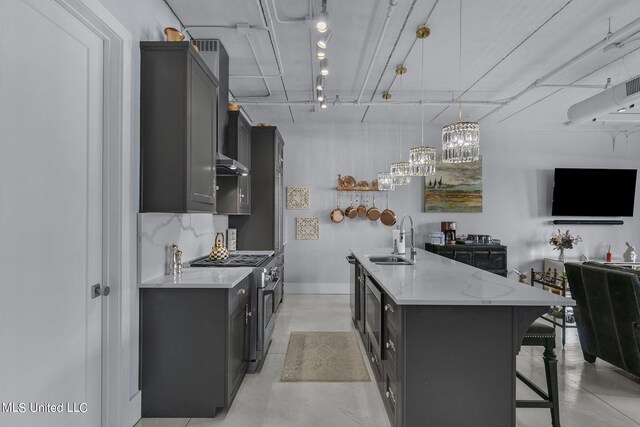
(223, 27)
(355, 103)
(390, 9)
(610, 39)
(255, 55)
(575, 86)
(291, 21)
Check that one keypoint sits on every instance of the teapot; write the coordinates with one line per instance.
(219, 250)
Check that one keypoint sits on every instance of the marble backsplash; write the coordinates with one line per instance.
(193, 233)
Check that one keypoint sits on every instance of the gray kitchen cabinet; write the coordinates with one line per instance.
(264, 228)
(489, 257)
(194, 349)
(178, 129)
(234, 192)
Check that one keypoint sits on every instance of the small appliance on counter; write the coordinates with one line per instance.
(219, 250)
(449, 230)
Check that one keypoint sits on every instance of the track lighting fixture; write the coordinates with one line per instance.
(320, 96)
(321, 54)
(322, 20)
(323, 41)
(323, 105)
(324, 67)
(320, 82)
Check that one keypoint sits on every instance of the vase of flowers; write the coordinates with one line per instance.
(562, 241)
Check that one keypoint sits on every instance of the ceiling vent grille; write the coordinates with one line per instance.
(206, 45)
(633, 86)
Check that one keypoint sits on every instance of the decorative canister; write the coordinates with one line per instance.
(219, 251)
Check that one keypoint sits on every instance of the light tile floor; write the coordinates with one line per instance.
(596, 395)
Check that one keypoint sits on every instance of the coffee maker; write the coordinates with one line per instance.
(449, 230)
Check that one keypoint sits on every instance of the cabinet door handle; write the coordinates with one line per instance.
(247, 314)
(390, 345)
(390, 395)
(242, 291)
(388, 307)
(373, 359)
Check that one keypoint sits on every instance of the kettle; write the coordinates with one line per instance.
(219, 250)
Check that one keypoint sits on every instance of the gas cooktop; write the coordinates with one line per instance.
(234, 260)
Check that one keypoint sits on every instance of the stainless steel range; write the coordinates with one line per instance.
(265, 301)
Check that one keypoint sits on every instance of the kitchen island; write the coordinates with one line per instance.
(442, 338)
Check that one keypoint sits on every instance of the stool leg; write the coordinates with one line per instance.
(551, 371)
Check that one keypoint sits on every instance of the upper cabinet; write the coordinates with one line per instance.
(178, 129)
(234, 192)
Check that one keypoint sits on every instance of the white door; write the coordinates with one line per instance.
(51, 90)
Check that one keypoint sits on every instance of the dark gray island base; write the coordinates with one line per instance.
(441, 359)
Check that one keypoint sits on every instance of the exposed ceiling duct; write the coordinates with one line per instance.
(616, 99)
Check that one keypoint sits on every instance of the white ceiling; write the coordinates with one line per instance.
(506, 46)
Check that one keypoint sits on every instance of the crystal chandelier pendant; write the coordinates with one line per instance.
(423, 161)
(461, 142)
(401, 173)
(385, 181)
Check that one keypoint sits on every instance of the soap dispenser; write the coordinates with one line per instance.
(398, 243)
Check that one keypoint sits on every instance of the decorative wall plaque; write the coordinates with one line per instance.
(307, 228)
(297, 197)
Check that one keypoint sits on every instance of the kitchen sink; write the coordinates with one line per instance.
(389, 260)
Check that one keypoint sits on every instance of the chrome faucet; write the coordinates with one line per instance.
(412, 251)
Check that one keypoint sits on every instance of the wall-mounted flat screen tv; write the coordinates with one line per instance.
(593, 192)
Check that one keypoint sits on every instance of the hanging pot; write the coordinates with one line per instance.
(351, 212)
(373, 213)
(337, 215)
(362, 207)
(388, 217)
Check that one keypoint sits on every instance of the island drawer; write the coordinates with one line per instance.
(390, 312)
(390, 345)
(390, 395)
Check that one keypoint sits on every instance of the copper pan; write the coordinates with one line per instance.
(373, 213)
(337, 215)
(388, 217)
(351, 212)
(362, 207)
(173, 35)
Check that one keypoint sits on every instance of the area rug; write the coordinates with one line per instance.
(324, 357)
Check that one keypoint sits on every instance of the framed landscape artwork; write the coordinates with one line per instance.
(456, 187)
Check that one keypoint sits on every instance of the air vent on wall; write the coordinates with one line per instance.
(206, 45)
(608, 104)
(633, 86)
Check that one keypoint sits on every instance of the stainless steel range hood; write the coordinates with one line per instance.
(215, 56)
(227, 166)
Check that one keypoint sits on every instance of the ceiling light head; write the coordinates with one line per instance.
(423, 32)
(322, 22)
(244, 174)
(323, 105)
(320, 83)
(324, 67)
(233, 167)
(320, 96)
(621, 110)
(321, 54)
(323, 41)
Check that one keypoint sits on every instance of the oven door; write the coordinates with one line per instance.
(266, 313)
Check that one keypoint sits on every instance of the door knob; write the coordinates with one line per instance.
(96, 291)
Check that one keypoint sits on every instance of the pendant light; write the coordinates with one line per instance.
(385, 180)
(461, 140)
(401, 171)
(422, 159)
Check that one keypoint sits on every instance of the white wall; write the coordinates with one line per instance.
(517, 183)
(146, 20)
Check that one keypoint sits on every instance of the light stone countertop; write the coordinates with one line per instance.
(436, 280)
(200, 277)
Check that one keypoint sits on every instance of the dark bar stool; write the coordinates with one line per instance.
(541, 334)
